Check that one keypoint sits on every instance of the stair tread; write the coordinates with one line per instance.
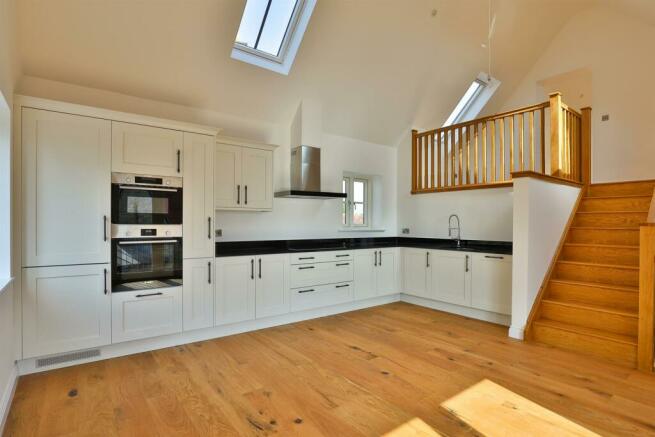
(618, 211)
(592, 307)
(597, 285)
(612, 266)
(627, 196)
(607, 228)
(604, 246)
(605, 335)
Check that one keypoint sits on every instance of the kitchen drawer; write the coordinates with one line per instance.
(307, 298)
(319, 257)
(305, 275)
(146, 313)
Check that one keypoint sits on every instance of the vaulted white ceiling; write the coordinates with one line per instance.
(378, 66)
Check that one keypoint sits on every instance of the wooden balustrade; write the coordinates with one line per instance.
(646, 338)
(483, 153)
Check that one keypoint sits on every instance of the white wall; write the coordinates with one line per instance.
(9, 70)
(541, 212)
(617, 52)
(484, 214)
(313, 218)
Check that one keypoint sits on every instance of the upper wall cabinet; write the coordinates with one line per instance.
(66, 188)
(146, 150)
(243, 175)
(198, 198)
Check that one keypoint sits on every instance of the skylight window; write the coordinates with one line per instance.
(476, 96)
(271, 31)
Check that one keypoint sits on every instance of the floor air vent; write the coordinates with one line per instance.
(75, 356)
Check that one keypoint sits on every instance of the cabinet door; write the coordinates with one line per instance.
(491, 288)
(66, 178)
(365, 274)
(198, 293)
(235, 289)
(257, 171)
(65, 309)
(272, 289)
(228, 192)
(146, 150)
(386, 272)
(198, 196)
(450, 277)
(415, 272)
(146, 313)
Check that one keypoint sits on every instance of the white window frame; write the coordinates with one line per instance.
(289, 47)
(476, 102)
(351, 178)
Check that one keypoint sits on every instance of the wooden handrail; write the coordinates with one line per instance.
(646, 336)
(484, 152)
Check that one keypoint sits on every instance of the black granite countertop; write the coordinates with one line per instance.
(266, 247)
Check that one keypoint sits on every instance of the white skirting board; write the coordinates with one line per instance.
(7, 397)
(487, 316)
(28, 366)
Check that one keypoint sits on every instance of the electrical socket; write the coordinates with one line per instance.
(405, 231)
(219, 232)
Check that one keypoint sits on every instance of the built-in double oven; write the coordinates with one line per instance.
(146, 249)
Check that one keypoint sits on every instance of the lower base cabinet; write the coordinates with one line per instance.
(272, 286)
(235, 290)
(198, 293)
(65, 309)
(375, 273)
(450, 277)
(146, 313)
(492, 283)
(318, 296)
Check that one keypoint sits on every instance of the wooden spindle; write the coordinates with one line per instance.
(446, 158)
(431, 139)
(511, 144)
(460, 147)
(414, 157)
(521, 140)
(492, 134)
(453, 144)
(585, 146)
(484, 152)
(439, 172)
(468, 154)
(475, 153)
(531, 136)
(501, 134)
(543, 140)
(556, 134)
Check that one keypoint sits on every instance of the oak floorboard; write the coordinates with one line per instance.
(363, 373)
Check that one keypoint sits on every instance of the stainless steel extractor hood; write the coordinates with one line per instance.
(306, 175)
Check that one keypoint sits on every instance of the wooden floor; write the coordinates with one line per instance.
(362, 373)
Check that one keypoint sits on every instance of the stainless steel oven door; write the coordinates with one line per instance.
(142, 264)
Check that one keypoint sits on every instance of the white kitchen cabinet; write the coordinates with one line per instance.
(375, 273)
(235, 289)
(492, 283)
(318, 296)
(416, 272)
(146, 150)
(257, 178)
(303, 275)
(227, 176)
(66, 184)
(272, 285)
(198, 293)
(243, 175)
(198, 196)
(450, 276)
(65, 309)
(146, 313)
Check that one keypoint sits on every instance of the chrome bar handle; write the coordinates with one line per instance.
(246, 202)
(375, 263)
(427, 259)
(252, 269)
(494, 257)
(238, 194)
(380, 262)
(104, 227)
(260, 268)
(179, 153)
(209, 272)
(149, 294)
(209, 228)
(467, 264)
(105, 272)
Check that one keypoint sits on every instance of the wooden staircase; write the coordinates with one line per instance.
(590, 300)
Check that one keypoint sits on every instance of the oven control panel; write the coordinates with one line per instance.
(149, 231)
(145, 180)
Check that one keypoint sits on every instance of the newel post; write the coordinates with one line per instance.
(645, 339)
(414, 157)
(585, 144)
(556, 134)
